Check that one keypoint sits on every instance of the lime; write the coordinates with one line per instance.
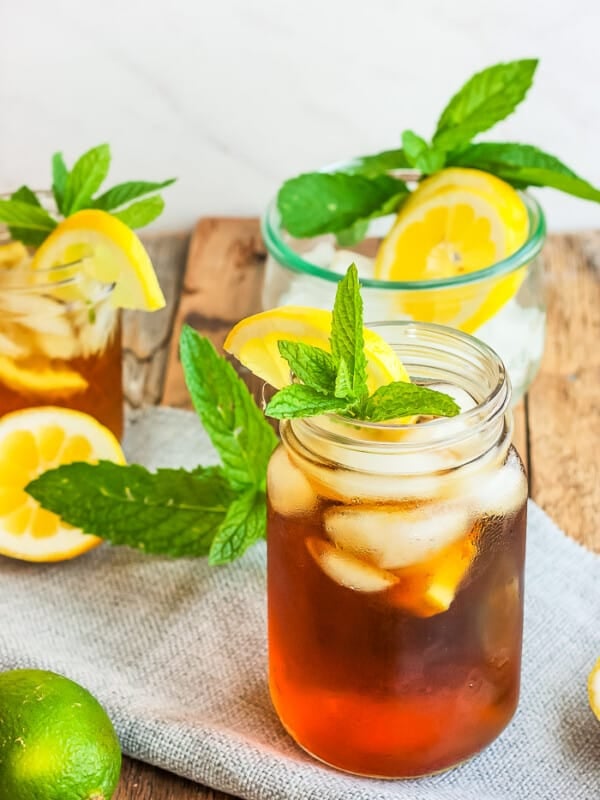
(56, 740)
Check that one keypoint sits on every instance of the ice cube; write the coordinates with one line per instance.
(502, 490)
(394, 537)
(289, 491)
(96, 327)
(347, 570)
(37, 312)
(15, 342)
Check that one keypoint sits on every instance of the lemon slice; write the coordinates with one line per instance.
(112, 253)
(456, 222)
(594, 689)
(31, 442)
(33, 377)
(253, 341)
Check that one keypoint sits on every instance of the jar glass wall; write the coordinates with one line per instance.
(60, 342)
(395, 572)
(503, 305)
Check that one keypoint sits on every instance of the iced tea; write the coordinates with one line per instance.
(395, 577)
(60, 343)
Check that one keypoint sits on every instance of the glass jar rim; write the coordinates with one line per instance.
(272, 231)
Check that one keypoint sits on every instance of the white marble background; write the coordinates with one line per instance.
(233, 96)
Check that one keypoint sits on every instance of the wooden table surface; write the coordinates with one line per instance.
(213, 277)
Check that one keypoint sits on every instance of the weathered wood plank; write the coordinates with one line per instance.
(147, 337)
(143, 782)
(564, 401)
(222, 284)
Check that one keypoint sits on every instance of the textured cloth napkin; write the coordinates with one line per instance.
(176, 651)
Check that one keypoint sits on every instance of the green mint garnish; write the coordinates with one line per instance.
(27, 235)
(220, 511)
(77, 189)
(171, 511)
(337, 383)
(214, 511)
(344, 201)
(487, 98)
(318, 201)
(311, 365)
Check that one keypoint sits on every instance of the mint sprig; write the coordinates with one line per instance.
(342, 202)
(215, 511)
(337, 382)
(79, 188)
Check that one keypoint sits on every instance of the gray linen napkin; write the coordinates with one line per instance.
(176, 651)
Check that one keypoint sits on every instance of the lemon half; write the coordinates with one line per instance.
(456, 222)
(32, 441)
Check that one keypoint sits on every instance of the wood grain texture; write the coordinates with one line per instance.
(222, 284)
(557, 427)
(564, 401)
(143, 782)
(147, 337)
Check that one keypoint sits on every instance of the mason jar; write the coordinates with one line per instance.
(60, 341)
(395, 571)
(504, 304)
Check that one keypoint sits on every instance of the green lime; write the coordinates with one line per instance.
(56, 740)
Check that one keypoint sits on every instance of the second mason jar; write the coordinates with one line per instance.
(395, 571)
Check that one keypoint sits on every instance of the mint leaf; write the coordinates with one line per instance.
(235, 424)
(353, 234)
(485, 99)
(28, 237)
(85, 179)
(311, 365)
(537, 176)
(378, 164)
(124, 193)
(143, 213)
(299, 400)
(414, 146)
(347, 340)
(170, 512)
(320, 202)
(244, 524)
(524, 165)
(60, 174)
(25, 215)
(343, 381)
(25, 195)
(401, 399)
(425, 158)
(498, 156)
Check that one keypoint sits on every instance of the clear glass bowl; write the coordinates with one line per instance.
(503, 305)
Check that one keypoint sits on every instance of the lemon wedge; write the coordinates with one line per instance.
(253, 341)
(111, 253)
(594, 689)
(31, 442)
(456, 222)
(33, 377)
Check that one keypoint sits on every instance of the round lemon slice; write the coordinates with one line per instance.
(594, 689)
(456, 222)
(253, 341)
(33, 377)
(111, 253)
(31, 442)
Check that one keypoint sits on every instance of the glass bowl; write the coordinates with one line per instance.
(503, 305)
